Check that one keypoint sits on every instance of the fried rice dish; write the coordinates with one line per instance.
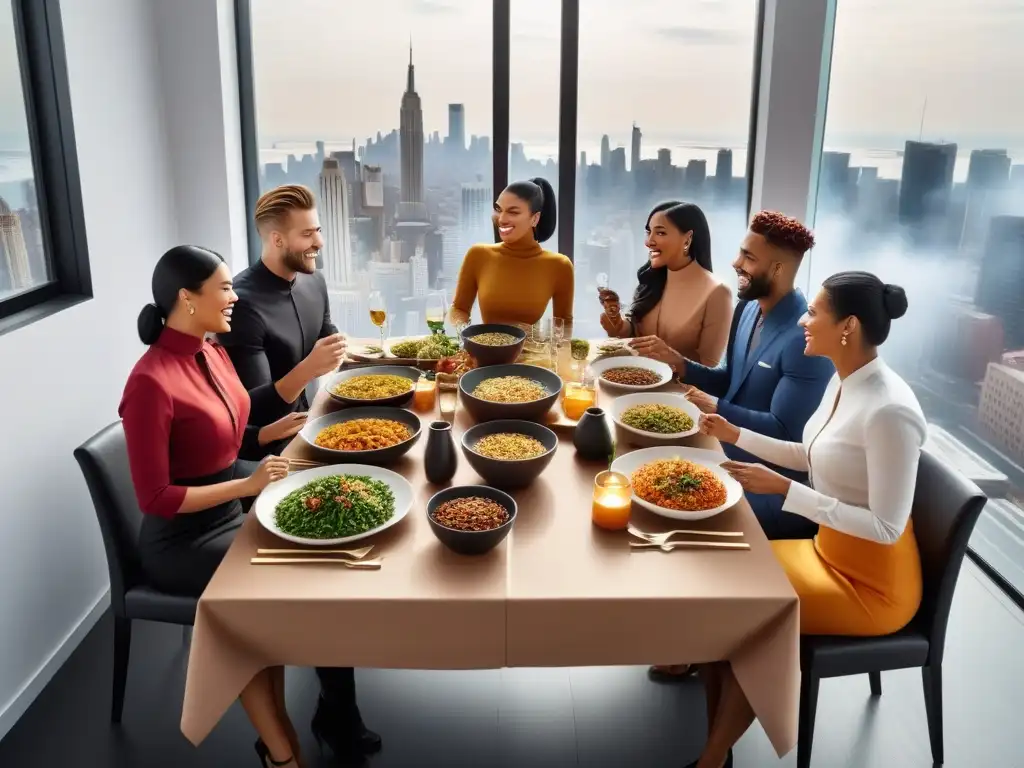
(680, 485)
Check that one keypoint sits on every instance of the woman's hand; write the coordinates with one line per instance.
(289, 426)
(757, 478)
(656, 349)
(704, 402)
(715, 426)
(611, 319)
(271, 469)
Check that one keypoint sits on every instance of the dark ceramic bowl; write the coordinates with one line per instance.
(486, 410)
(509, 473)
(485, 354)
(471, 542)
(413, 374)
(376, 456)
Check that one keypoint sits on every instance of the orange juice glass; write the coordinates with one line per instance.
(613, 498)
(576, 398)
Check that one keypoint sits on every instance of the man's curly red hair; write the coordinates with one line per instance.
(782, 231)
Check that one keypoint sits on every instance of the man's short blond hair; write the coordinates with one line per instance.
(274, 205)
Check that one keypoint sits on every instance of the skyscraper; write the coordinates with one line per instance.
(606, 151)
(634, 154)
(411, 140)
(475, 215)
(13, 250)
(457, 126)
(926, 182)
(334, 210)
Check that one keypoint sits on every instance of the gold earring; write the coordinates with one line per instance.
(843, 342)
(192, 311)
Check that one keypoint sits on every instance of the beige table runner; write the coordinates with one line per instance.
(557, 592)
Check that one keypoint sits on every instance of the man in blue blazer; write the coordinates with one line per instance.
(766, 383)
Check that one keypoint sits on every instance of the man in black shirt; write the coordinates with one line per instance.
(281, 332)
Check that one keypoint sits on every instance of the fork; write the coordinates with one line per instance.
(662, 538)
(689, 545)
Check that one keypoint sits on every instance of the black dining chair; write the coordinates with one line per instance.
(104, 462)
(946, 507)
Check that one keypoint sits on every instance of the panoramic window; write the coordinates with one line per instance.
(922, 182)
(664, 114)
(388, 120)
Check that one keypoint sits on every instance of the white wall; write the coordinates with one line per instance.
(156, 123)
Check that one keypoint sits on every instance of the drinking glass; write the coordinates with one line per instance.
(557, 330)
(602, 281)
(378, 312)
(436, 306)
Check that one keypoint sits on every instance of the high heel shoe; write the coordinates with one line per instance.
(266, 760)
(727, 764)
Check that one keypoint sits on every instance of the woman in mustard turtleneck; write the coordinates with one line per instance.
(516, 278)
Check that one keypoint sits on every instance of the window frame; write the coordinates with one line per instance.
(39, 39)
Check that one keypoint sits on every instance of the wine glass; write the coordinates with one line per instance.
(558, 330)
(602, 281)
(378, 312)
(436, 305)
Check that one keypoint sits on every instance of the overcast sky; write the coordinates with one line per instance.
(680, 68)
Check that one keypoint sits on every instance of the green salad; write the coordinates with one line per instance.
(334, 507)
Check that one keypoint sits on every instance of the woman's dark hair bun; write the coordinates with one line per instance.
(151, 324)
(894, 298)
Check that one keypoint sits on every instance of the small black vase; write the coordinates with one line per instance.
(441, 460)
(593, 437)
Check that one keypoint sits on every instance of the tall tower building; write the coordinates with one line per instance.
(926, 182)
(334, 210)
(723, 166)
(13, 251)
(606, 150)
(634, 154)
(411, 140)
(475, 215)
(457, 126)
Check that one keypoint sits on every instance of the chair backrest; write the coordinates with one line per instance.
(946, 507)
(104, 462)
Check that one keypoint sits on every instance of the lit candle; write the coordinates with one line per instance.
(613, 499)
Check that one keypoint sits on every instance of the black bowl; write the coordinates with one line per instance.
(376, 456)
(486, 354)
(471, 542)
(413, 374)
(485, 410)
(509, 473)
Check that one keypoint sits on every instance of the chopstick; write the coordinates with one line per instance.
(358, 554)
(688, 545)
(294, 464)
(369, 565)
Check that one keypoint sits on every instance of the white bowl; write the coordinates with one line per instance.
(672, 399)
(271, 496)
(629, 463)
(663, 370)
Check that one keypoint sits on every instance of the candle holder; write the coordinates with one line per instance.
(613, 499)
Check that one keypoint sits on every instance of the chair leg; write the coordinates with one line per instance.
(122, 650)
(931, 676)
(808, 707)
(875, 678)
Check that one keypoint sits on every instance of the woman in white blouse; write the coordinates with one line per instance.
(861, 575)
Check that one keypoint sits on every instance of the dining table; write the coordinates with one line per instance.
(557, 592)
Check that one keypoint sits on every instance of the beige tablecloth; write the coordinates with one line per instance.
(557, 592)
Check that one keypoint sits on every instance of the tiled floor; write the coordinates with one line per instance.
(593, 717)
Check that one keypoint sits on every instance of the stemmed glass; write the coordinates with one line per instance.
(436, 305)
(378, 312)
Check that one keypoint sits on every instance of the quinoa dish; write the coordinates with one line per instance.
(373, 387)
(471, 513)
(680, 485)
(363, 435)
(657, 418)
(510, 389)
(510, 446)
(493, 339)
(631, 376)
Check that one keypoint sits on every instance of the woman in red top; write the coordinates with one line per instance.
(185, 416)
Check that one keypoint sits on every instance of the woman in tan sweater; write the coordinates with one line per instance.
(680, 309)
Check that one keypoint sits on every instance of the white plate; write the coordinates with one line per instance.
(600, 366)
(672, 399)
(631, 462)
(268, 500)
